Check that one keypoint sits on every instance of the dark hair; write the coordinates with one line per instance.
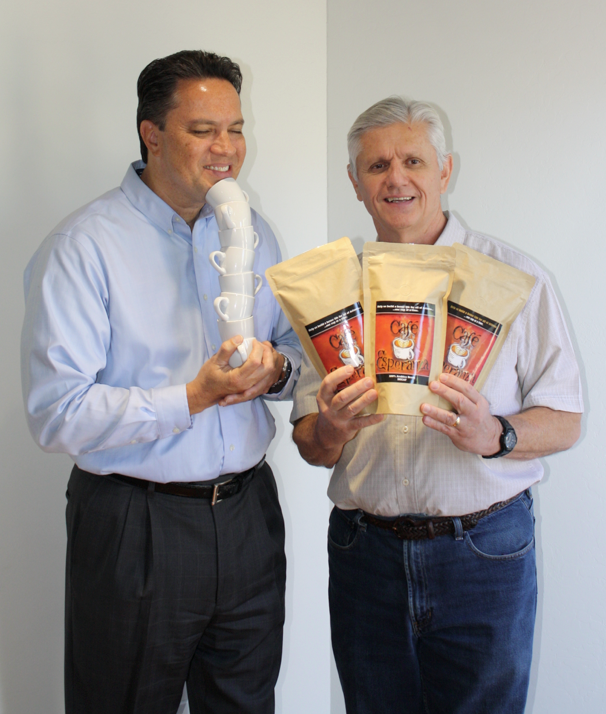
(157, 83)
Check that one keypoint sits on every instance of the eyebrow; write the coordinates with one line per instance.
(210, 122)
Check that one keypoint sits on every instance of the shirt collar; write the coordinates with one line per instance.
(453, 232)
(149, 203)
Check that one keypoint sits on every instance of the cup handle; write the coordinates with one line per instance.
(217, 266)
(243, 351)
(258, 283)
(219, 310)
(245, 196)
(226, 211)
(256, 241)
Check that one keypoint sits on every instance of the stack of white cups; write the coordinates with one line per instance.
(234, 263)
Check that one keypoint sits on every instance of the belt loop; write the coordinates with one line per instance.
(458, 526)
(358, 520)
(151, 486)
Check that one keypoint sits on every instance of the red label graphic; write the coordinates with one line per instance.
(469, 339)
(339, 340)
(404, 341)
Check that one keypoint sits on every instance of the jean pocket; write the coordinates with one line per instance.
(343, 529)
(505, 535)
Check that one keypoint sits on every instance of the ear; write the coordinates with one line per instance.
(446, 174)
(151, 136)
(354, 182)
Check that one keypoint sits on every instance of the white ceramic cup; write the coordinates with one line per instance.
(404, 349)
(233, 260)
(243, 283)
(230, 329)
(234, 214)
(234, 306)
(224, 191)
(241, 237)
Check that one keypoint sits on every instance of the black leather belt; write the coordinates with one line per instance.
(408, 528)
(216, 492)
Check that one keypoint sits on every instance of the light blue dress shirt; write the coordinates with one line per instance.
(119, 316)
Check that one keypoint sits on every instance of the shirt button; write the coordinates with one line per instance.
(232, 447)
(205, 297)
(214, 347)
(176, 430)
(170, 231)
(195, 249)
(134, 441)
(405, 430)
(405, 481)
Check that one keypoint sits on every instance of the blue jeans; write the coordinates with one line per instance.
(441, 626)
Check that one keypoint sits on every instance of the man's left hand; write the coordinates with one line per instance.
(477, 430)
(266, 364)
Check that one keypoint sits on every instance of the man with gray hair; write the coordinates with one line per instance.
(431, 540)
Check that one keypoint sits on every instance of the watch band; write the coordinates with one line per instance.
(284, 376)
(508, 439)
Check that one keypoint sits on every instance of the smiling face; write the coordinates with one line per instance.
(201, 143)
(400, 182)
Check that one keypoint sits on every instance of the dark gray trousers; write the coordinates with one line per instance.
(163, 590)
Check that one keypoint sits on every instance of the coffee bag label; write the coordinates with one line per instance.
(469, 339)
(339, 340)
(404, 337)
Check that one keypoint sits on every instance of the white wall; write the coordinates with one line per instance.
(521, 86)
(67, 133)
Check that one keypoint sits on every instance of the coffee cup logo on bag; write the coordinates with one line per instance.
(404, 341)
(339, 340)
(469, 339)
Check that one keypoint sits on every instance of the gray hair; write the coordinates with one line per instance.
(392, 110)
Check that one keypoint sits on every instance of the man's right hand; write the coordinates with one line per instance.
(321, 437)
(217, 380)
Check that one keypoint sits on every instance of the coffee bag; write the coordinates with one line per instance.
(320, 293)
(406, 288)
(485, 299)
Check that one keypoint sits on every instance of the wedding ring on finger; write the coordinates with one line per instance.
(457, 421)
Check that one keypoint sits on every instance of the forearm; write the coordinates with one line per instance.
(98, 417)
(542, 431)
(316, 447)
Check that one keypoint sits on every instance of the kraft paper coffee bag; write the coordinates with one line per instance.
(320, 293)
(406, 288)
(485, 299)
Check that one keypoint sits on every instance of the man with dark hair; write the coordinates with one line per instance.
(175, 557)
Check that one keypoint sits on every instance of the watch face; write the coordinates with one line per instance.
(510, 440)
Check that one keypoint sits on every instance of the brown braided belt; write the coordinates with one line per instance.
(408, 528)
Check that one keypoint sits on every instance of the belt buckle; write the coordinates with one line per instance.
(215, 497)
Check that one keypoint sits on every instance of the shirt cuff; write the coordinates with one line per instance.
(286, 391)
(172, 410)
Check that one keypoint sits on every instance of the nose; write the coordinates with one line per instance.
(223, 145)
(397, 175)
